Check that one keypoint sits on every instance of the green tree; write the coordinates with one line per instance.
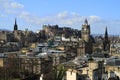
(59, 72)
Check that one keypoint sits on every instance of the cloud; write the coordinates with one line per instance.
(3, 15)
(10, 7)
(115, 22)
(94, 19)
(63, 18)
(62, 15)
(30, 18)
(24, 15)
(16, 5)
(75, 14)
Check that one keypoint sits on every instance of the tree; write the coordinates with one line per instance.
(59, 72)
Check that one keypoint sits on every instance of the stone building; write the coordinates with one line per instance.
(54, 30)
(81, 48)
(18, 34)
(96, 69)
(113, 71)
(115, 48)
(73, 74)
(41, 36)
(85, 32)
(93, 71)
(36, 66)
(85, 45)
(30, 36)
(6, 36)
(24, 37)
(98, 44)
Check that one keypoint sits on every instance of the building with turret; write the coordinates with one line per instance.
(85, 32)
(85, 35)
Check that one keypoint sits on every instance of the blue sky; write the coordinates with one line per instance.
(32, 14)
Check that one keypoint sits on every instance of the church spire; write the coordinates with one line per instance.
(106, 43)
(106, 34)
(15, 25)
(15, 22)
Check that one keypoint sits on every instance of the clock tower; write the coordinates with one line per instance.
(85, 32)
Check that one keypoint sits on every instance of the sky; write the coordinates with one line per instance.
(33, 14)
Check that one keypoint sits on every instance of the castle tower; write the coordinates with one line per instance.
(85, 32)
(106, 43)
(15, 26)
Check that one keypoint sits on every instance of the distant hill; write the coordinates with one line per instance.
(103, 35)
(4, 30)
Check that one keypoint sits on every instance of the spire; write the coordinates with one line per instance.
(106, 34)
(106, 43)
(15, 25)
(15, 22)
(86, 22)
